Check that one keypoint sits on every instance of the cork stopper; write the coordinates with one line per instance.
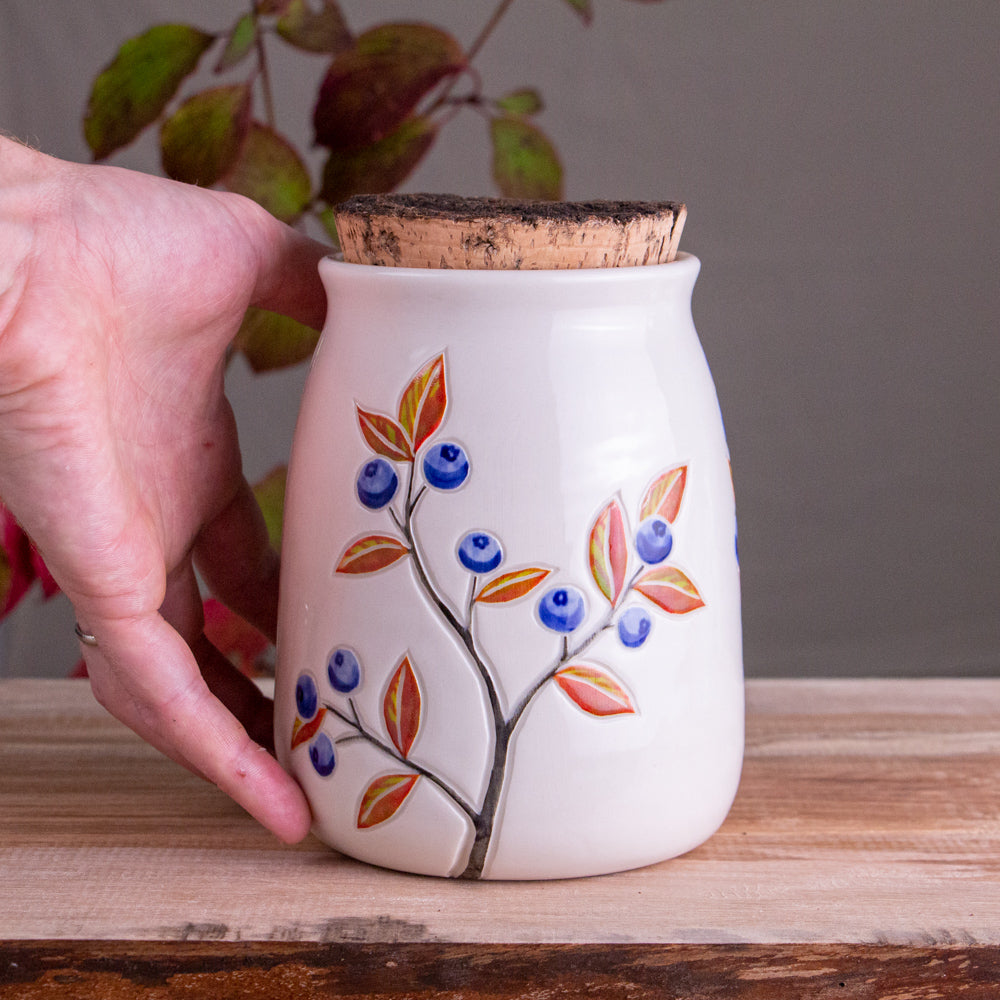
(446, 231)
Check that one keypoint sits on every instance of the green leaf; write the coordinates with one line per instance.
(199, 143)
(270, 171)
(270, 341)
(134, 88)
(584, 8)
(324, 30)
(239, 43)
(373, 87)
(270, 494)
(525, 163)
(379, 167)
(525, 101)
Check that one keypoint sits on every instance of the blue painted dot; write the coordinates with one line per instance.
(562, 609)
(634, 626)
(654, 540)
(344, 670)
(377, 483)
(322, 755)
(480, 552)
(306, 697)
(446, 466)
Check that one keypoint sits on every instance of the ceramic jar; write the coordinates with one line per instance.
(509, 639)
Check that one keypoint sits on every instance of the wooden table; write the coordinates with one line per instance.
(861, 859)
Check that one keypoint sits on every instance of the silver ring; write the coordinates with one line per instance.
(85, 637)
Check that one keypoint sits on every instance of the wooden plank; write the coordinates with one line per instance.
(869, 813)
(452, 972)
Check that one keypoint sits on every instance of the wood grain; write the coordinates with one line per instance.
(868, 814)
(452, 972)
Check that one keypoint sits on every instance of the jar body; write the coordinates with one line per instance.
(509, 638)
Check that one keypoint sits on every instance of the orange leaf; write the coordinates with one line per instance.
(371, 553)
(384, 436)
(664, 494)
(609, 551)
(422, 407)
(669, 588)
(303, 732)
(384, 796)
(593, 690)
(401, 707)
(511, 586)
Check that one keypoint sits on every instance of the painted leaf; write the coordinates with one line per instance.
(384, 436)
(594, 690)
(609, 551)
(380, 167)
(323, 30)
(525, 163)
(511, 586)
(525, 101)
(669, 588)
(270, 341)
(134, 88)
(383, 798)
(664, 495)
(401, 707)
(269, 170)
(422, 407)
(373, 87)
(370, 554)
(199, 143)
(303, 732)
(239, 43)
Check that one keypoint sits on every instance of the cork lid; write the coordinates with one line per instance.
(446, 231)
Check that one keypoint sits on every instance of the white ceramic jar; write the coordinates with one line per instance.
(509, 639)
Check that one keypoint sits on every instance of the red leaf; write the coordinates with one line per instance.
(511, 586)
(384, 436)
(593, 690)
(422, 407)
(383, 797)
(234, 637)
(669, 588)
(303, 732)
(609, 551)
(401, 707)
(370, 554)
(374, 86)
(664, 494)
(380, 167)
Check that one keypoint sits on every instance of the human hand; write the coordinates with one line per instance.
(119, 295)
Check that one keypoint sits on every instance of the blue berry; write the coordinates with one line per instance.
(306, 697)
(377, 483)
(446, 466)
(344, 670)
(562, 609)
(634, 626)
(480, 552)
(654, 540)
(324, 760)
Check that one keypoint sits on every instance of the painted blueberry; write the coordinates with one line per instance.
(377, 483)
(480, 552)
(446, 466)
(634, 626)
(344, 670)
(306, 697)
(654, 540)
(324, 760)
(562, 609)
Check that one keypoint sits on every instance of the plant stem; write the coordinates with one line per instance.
(489, 28)
(265, 73)
(362, 732)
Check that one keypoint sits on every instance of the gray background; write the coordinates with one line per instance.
(840, 163)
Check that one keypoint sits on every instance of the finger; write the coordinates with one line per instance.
(287, 265)
(161, 694)
(234, 555)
